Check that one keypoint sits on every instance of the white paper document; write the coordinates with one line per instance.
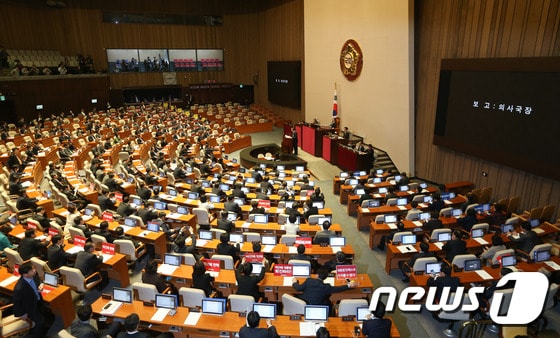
(309, 328)
(481, 240)
(10, 280)
(160, 314)
(166, 269)
(484, 275)
(192, 318)
(406, 248)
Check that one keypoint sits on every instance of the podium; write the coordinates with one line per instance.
(287, 145)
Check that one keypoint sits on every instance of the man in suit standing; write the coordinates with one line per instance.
(295, 140)
(28, 302)
(316, 291)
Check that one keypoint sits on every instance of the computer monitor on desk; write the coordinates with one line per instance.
(402, 201)
(130, 222)
(477, 233)
(472, 265)
(444, 236)
(205, 234)
(214, 306)
(303, 270)
(433, 268)
(170, 259)
(51, 279)
(260, 219)
(408, 239)
(268, 239)
(390, 219)
(542, 256)
(152, 226)
(508, 260)
(182, 210)
(265, 310)
(122, 295)
(167, 302)
(316, 313)
(337, 241)
(362, 312)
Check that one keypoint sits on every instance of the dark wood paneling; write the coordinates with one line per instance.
(479, 29)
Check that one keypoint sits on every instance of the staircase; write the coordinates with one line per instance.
(383, 161)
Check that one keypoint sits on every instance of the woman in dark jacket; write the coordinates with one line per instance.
(202, 280)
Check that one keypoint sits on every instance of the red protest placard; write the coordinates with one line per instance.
(79, 241)
(346, 272)
(254, 257)
(16, 270)
(264, 204)
(107, 216)
(307, 241)
(31, 225)
(283, 270)
(118, 196)
(53, 232)
(108, 248)
(212, 265)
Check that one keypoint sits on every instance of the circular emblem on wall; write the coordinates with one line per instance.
(351, 60)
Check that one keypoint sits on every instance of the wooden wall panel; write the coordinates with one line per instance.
(479, 29)
(249, 37)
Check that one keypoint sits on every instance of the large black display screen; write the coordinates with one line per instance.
(502, 110)
(284, 83)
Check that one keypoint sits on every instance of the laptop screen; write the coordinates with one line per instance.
(403, 188)
(507, 228)
(232, 216)
(289, 204)
(390, 219)
(382, 190)
(172, 192)
(343, 174)
(122, 295)
(319, 204)
(445, 195)
(268, 240)
(205, 234)
(428, 199)
(131, 222)
(166, 301)
(214, 306)
(423, 185)
(408, 239)
(424, 216)
(322, 220)
(257, 268)
(236, 238)
(51, 279)
(152, 226)
(205, 184)
(160, 205)
(362, 312)
(280, 168)
(377, 180)
(88, 212)
(265, 310)
(374, 204)
(182, 210)
(433, 268)
(444, 236)
(402, 201)
(303, 270)
(300, 168)
(472, 265)
(353, 182)
(508, 260)
(337, 241)
(240, 201)
(224, 187)
(542, 255)
(170, 259)
(250, 180)
(476, 233)
(316, 313)
(456, 212)
(360, 191)
(261, 219)
(534, 222)
(214, 199)
(137, 201)
(192, 195)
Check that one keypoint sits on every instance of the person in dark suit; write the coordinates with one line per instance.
(14, 162)
(144, 192)
(442, 280)
(103, 231)
(56, 256)
(255, 209)
(251, 330)
(246, 283)
(224, 223)
(180, 245)
(311, 210)
(42, 219)
(201, 279)
(131, 323)
(424, 247)
(32, 247)
(295, 140)
(469, 220)
(324, 235)
(433, 223)
(456, 246)
(301, 254)
(316, 291)
(230, 205)
(88, 263)
(437, 203)
(151, 276)
(82, 328)
(107, 201)
(525, 239)
(323, 332)
(15, 186)
(317, 195)
(237, 192)
(125, 209)
(28, 302)
(225, 248)
(339, 259)
(375, 325)
(147, 213)
(24, 202)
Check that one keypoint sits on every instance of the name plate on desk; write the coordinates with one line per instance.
(346, 272)
(307, 241)
(283, 270)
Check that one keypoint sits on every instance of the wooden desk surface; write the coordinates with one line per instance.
(228, 324)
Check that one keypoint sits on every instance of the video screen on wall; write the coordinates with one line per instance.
(284, 83)
(164, 60)
(502, 110)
